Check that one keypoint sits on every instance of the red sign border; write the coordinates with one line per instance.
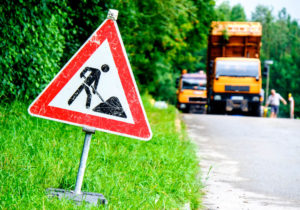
(109, 31)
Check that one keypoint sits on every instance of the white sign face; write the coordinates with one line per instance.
(109, 85)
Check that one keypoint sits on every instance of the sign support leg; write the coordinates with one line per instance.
(84, 156)
(77, 195)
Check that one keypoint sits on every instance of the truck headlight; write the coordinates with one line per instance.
(218, 97)
(255, 98)
(182, 106)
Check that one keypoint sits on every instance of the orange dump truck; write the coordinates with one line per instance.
(191, 93)
(234, 79)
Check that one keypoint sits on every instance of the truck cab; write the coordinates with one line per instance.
(191, 93)
(237, 84)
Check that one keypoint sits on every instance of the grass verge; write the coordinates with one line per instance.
(36, 154)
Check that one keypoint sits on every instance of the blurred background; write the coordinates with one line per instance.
(161, 39)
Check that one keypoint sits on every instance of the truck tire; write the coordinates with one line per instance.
(186, 109)
(256, 111)
(218, 108)
(210, 109)
(214, 109)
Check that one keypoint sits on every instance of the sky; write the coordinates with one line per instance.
(292, 6)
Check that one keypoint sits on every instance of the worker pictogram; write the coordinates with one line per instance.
(112, 106)
(93, 78)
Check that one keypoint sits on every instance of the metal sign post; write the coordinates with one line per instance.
(84, 156)
(77, 195)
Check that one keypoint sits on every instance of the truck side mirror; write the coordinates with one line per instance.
(266, 71)
(177, 83)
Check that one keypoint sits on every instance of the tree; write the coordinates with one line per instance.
(237, 13)
(223, 11)
(264, 15)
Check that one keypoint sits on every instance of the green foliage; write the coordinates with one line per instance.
(264, 15)
(36, 154)
(237, 13)
(32, 44)
(226, 13)
(161, 38)
(225, 35)
(223, 12)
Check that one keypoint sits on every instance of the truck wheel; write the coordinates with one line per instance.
(186, 109)
(209, 109)
(218, 108)
(213, 109)
(256, 111)
(202, 109)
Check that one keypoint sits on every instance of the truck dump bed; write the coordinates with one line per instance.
(234, 39)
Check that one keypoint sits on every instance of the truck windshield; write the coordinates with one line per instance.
(194, 83)
(237, 68)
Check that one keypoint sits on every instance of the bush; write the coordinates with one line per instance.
(32, 44)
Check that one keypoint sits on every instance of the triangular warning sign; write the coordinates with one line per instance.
(96, 88)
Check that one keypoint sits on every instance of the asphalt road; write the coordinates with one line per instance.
(247, 162)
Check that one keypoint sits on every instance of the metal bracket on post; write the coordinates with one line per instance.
(112, 14)
(77, 195)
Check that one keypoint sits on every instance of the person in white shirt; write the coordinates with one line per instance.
(274, 102)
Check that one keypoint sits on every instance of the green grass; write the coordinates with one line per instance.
(36, 154)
